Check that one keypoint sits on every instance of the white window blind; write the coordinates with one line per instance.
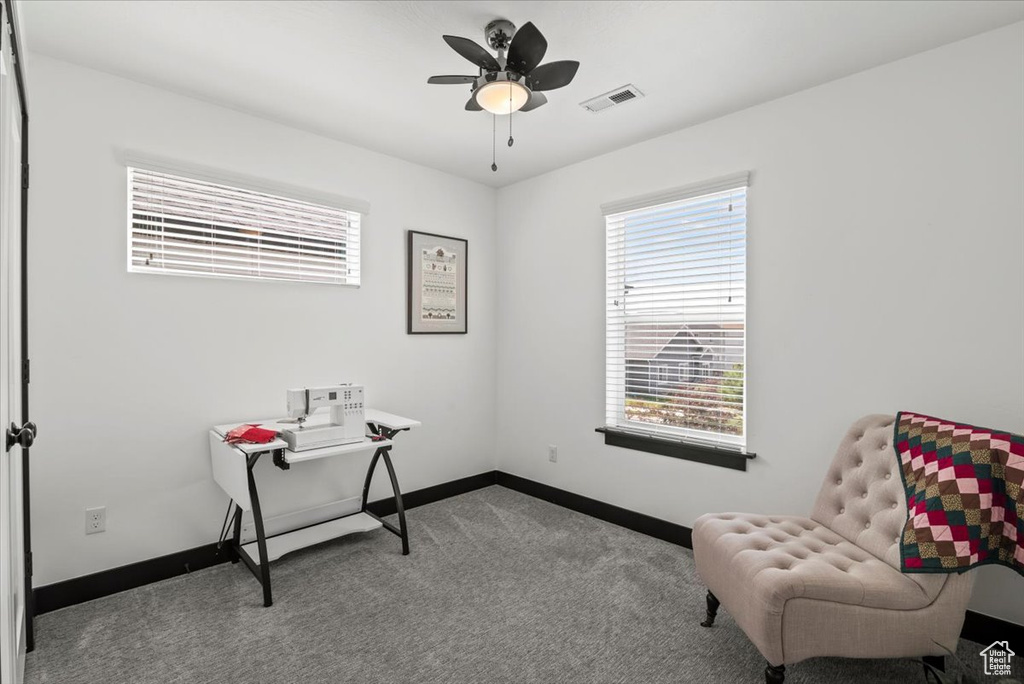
(188, 226)
(676, 313)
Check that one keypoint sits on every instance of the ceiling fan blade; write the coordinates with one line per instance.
(473, 52)
(473, 105)
(451, 80)
(536, 100)
(527, 49)
(553, 75)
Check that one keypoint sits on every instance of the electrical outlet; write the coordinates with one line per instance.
(95, 520)
(552, 453)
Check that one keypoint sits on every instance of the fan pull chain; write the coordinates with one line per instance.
(494, 137)
(510, 139)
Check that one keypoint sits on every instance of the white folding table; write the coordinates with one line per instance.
(233, 470)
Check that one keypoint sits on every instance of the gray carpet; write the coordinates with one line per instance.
(500, 587)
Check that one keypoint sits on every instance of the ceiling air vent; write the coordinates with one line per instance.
(612, 98)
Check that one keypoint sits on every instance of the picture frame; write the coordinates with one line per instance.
(437, 269)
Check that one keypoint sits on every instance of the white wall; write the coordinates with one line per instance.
(886, 231)
(129, 371)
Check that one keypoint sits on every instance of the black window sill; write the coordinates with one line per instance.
(689, 451)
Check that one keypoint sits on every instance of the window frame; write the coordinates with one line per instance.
(686, 443)
(148, 163)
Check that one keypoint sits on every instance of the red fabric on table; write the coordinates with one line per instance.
(250, 434)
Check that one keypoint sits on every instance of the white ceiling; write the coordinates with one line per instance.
(357, 71)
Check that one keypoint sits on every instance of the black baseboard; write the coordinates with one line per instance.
(107, 582)
(983, 629)
(97, 585)
(638, 522)
(428, 495)
(986, 630)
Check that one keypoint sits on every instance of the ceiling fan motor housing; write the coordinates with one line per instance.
(499, 33)
(494, 76)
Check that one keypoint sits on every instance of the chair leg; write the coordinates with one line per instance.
(774, 674)
(936, 663)
(712, 610)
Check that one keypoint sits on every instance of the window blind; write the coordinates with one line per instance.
(676, 314)
(188, 226)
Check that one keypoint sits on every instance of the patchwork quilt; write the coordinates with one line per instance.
(964, 495)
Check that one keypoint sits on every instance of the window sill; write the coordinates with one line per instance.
(689, 451)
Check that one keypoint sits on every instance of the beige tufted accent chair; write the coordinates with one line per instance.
(830, 585)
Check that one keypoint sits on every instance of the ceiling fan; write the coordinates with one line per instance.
(514, 80)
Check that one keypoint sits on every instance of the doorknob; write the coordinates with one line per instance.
(23, 436)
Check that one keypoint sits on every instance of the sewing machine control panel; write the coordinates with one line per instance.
(352, 401)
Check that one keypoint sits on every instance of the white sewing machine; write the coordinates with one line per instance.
(347, 419)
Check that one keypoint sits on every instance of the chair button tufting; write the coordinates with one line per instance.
(894, 504)
(839, 481)
(888, 475)
(864, 495)
(860, 463)
(867, 525)
(842, 510)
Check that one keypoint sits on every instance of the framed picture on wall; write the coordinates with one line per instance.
(437, 284)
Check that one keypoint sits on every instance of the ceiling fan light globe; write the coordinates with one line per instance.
(502, 97)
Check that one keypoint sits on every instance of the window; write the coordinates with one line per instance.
(676, 295)
(190, 226)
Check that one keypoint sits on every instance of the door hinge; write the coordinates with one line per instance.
(26, 367)
(24, 176)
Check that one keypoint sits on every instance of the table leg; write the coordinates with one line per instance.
(237, 535)
(399, 505)
(402, 531)
(369, 477)
(261, 538)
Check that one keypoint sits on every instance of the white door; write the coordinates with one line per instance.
(12, 546)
